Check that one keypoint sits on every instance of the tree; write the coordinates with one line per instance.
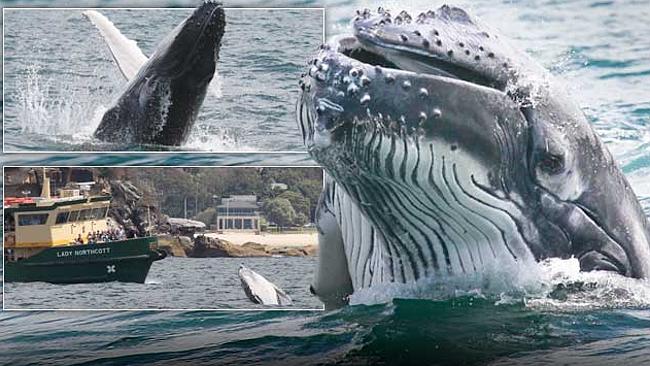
(300, 219)
(280, 211)
(299, 203)
(311, 189)
(207, 216)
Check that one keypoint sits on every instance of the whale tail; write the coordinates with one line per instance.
(126, 53)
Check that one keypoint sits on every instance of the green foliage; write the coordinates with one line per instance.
(207, 216)
(311, 189)
(279, 211)
(300, 219)
(299, 203)
(197, 189)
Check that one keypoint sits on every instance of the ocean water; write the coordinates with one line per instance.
(601, 51)
(60, 78)
(214, 285)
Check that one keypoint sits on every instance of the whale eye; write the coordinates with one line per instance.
(551, 163)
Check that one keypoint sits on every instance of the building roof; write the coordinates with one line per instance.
(239, 204)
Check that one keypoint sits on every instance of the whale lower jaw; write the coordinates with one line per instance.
(419, 214)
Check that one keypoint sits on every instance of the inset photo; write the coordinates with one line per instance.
(155, 79)
(131, 238)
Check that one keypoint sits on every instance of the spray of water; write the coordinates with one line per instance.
(58, 111)
(553, 284)
(68, 112)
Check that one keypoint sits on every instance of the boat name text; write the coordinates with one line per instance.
(70, 253)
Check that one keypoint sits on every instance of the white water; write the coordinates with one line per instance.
(64, 112)
(529, 283)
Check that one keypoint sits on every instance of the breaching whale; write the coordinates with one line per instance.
(447, 151)
(260, 290)
(165, 92)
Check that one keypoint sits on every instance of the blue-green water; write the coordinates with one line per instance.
(214, 285)
(602, 51)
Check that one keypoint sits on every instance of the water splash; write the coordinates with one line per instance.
(569, 289)
(214, 88)
(207, 138)
(58, 111)
(553, 284)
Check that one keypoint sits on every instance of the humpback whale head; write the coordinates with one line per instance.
(191, 50)
(461, 151)
(162, 101)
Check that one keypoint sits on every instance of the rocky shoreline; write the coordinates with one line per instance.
(205, 247)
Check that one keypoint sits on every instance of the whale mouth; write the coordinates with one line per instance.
(365, 47)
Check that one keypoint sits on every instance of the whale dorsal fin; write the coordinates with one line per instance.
(126, 53)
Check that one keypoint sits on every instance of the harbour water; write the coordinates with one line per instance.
(214, 285)
(601, 51)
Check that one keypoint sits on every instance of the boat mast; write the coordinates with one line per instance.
(45, 191)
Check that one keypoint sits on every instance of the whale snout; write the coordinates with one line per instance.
(193, 47)
(345, 92)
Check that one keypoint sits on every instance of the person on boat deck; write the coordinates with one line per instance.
(79, 240)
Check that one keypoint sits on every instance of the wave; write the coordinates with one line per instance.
(554, 283)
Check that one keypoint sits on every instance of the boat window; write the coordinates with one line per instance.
(85, 214)
(74, 216)
(32, 219)
(62, 217)
(98, 213)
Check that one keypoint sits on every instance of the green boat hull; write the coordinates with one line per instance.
(125, 260)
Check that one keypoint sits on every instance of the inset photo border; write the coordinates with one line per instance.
(187, 238)
(132, 80)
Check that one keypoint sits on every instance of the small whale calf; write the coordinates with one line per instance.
(260, 290)
(165, 91)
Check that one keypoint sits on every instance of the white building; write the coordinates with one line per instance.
(238, 212)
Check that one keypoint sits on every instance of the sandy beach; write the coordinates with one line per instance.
(279, 240)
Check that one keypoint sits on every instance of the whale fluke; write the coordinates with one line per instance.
(126, 53)
(260, 290)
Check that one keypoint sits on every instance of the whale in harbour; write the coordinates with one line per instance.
(165, 92)
(260, 290)
(447, 151)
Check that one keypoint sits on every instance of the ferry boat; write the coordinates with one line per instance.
(47, 239)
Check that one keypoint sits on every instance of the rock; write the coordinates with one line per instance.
(311, 250)
(172, 245)
(187, 244)
(184, 226)
(205, 247)
(294, 251)
(255, 246)
(212, 247)
(129, 211)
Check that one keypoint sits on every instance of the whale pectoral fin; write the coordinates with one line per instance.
(332, 282)
(126, 53)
